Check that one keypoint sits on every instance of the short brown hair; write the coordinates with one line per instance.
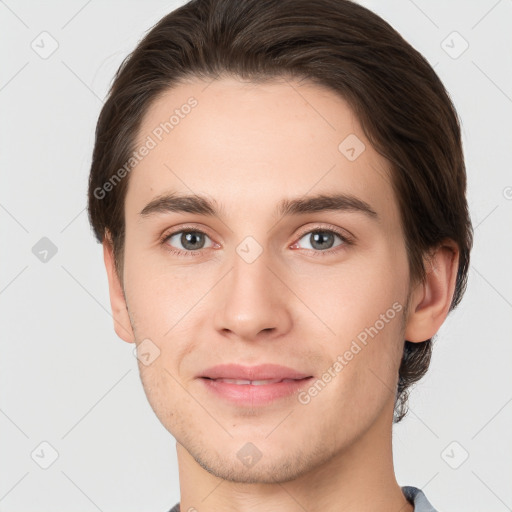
(402, 106)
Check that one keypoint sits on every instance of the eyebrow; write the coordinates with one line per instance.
(200, 205)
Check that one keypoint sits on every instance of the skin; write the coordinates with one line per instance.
(248, 146)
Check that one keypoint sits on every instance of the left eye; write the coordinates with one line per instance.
(190, 240)
(322, 239)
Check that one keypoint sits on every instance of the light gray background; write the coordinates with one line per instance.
(67, 380)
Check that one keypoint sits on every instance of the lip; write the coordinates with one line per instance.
(259, 372)
(249, 394)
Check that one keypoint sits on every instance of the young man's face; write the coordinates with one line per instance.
(261, 288)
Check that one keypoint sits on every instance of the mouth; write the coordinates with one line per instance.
(242, 382)
(262, 373)
(246, 386)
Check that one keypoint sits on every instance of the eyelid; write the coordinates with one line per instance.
(190, 228)
(345, 235)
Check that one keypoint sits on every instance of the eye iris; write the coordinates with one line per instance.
(189, 240)
(318, 240)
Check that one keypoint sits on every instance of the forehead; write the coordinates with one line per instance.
(251, 144)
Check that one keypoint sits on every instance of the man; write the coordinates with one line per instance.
(279, 188)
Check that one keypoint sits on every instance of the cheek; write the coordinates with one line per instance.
(159, 296)
(370, 360)
(352, 296)
(362, 304)
(165, 396)
(166, 305)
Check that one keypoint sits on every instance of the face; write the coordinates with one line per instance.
(319, 291)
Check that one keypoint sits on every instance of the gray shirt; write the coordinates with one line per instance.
(414, 495)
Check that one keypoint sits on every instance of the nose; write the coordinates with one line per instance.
(253, 302)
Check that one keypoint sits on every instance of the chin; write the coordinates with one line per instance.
(277, 469)
(264, 474)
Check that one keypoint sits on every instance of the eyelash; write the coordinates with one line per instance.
(346, 241)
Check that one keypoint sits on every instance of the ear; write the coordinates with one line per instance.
(122, 324)
(430, 301)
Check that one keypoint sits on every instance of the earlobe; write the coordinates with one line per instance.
(120, 315)
(430, 302)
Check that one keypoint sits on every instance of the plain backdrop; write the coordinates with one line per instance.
(70, 394)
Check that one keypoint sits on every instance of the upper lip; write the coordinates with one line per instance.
(259, 372)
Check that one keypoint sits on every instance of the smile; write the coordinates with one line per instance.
(253, 382)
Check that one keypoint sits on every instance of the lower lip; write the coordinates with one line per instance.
(248, 394)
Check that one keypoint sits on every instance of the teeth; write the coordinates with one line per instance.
(253, 382)
(263, 382)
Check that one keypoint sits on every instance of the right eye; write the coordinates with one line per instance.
(191, 241)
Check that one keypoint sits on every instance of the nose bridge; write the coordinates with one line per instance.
(251, 275)
(252, 299)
